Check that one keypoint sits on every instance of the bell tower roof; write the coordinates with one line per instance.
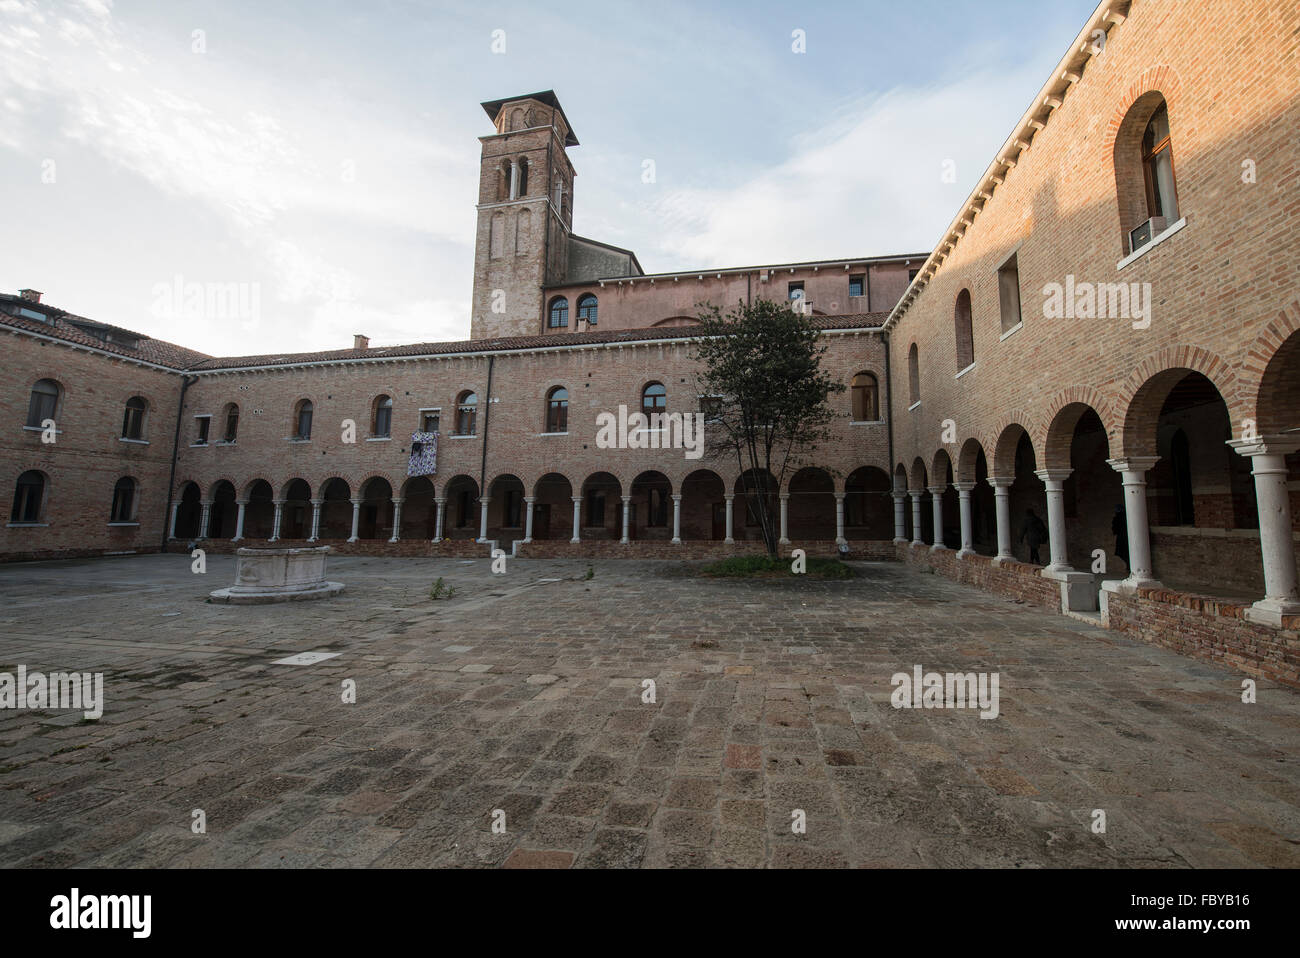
(548, 97)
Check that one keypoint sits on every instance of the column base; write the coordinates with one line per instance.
(527, 541)
(901, 540)
(574, 541)
(676, 541)
(482, 542)
(1003, 557)
(1130, 585)
(435, 541)
(729, 542)
(394, 539)
(273, 539)
(1271, 611)
(939, 547)
(783, 542)
(237, 539)
(1078, 589)
(963, 553)
(355, 539)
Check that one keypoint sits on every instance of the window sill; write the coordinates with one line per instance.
(27, 525)
(1012, 331)
(134, 442)
(224, 442)
(915, 405)
(297, 439)
(544, 435)
(470, 436)
(200, 445)
(866, 422)
(57, 432)
(964, 371)
(379, 439)
(122, 525)
(1155, 241)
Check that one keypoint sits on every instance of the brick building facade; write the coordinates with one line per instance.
(1106, 335)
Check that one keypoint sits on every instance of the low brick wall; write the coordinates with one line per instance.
(553, 548)
(1211, 629)
(1016, 580)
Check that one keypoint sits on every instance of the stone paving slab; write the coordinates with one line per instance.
(511, 726)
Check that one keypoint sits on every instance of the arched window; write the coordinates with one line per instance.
(383, 421)
(914, 374)
(559, 313)
(587, 309)
(963, 329)
(466, 412)
(1158, 166)
(654, 399)
(1144, 172)
(302, 419)
(44, 402)
(557, 410)
(133, 419)
(866, 398)
(29, 497)
(230, 417)
(123, 509)
(506, 184)
(523, 178)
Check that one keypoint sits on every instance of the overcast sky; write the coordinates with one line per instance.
(324, 153)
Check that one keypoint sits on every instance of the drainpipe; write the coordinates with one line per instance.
(186, 382)
(487, 417)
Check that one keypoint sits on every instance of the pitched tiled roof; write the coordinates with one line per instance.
(63, 325)
(71, 328)
(505, 344)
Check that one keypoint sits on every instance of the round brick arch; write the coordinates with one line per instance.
(224, 477)
(900, 478)
(1149, 385)
(917, 478)
(1004, 445)
(940, 465)
(967, 465)
(376, 474)
(1063, 414)
(282, 489)
(1162, 79)
(1275, 349)
(182, 482)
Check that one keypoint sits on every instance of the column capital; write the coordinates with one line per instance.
(206, 502)
(729, 496)
(398, 500)
(626, 498)
(1276, 445)
(576, 498)
(964, 486)
(441, 500)
(937, 490)
(317, 502)
(784, 496)
(241, 502)
(357, 502)
(677, 497)
(278, 502)
(484, 500)
(530, 499)
(1132, 463)
(839, 496)
(1053, 475)
(1001, 482)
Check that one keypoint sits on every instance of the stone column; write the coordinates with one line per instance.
(441, 503)
(1054, 479)
(204, 515)
(900, 517)
(315, 519)
(839, 519)
(936, 511)
(963, 501)
(171, 524)
(1002, 502)
(356, 519)
(729, 498)
(1133, 471)
(627, 509)
(677, 520)
(577, 518)
(275, 522)
(397, 519)
(482, 517)
(785, 520)
(528, 518)
(239, 519)
(916, 519)
(1277, 548)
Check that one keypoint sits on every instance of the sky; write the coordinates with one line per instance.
(257, 176)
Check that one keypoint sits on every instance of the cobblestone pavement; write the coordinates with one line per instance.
(524, 693)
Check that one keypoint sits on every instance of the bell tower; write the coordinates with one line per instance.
(525, 214)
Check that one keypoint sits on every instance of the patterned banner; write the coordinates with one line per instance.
(424, 454)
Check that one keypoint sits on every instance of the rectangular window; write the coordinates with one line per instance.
(202, 424)
(911, 275)
(795, 291)
(1009, 293)
(304, 421)
(856, 285)
(232, 425)
(429, 419)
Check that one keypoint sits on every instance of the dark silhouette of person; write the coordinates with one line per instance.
(1034, 534)
(1119, 526)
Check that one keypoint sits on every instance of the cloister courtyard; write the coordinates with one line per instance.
(509, 725)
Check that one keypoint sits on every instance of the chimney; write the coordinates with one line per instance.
(360, 342)
(30, 295)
